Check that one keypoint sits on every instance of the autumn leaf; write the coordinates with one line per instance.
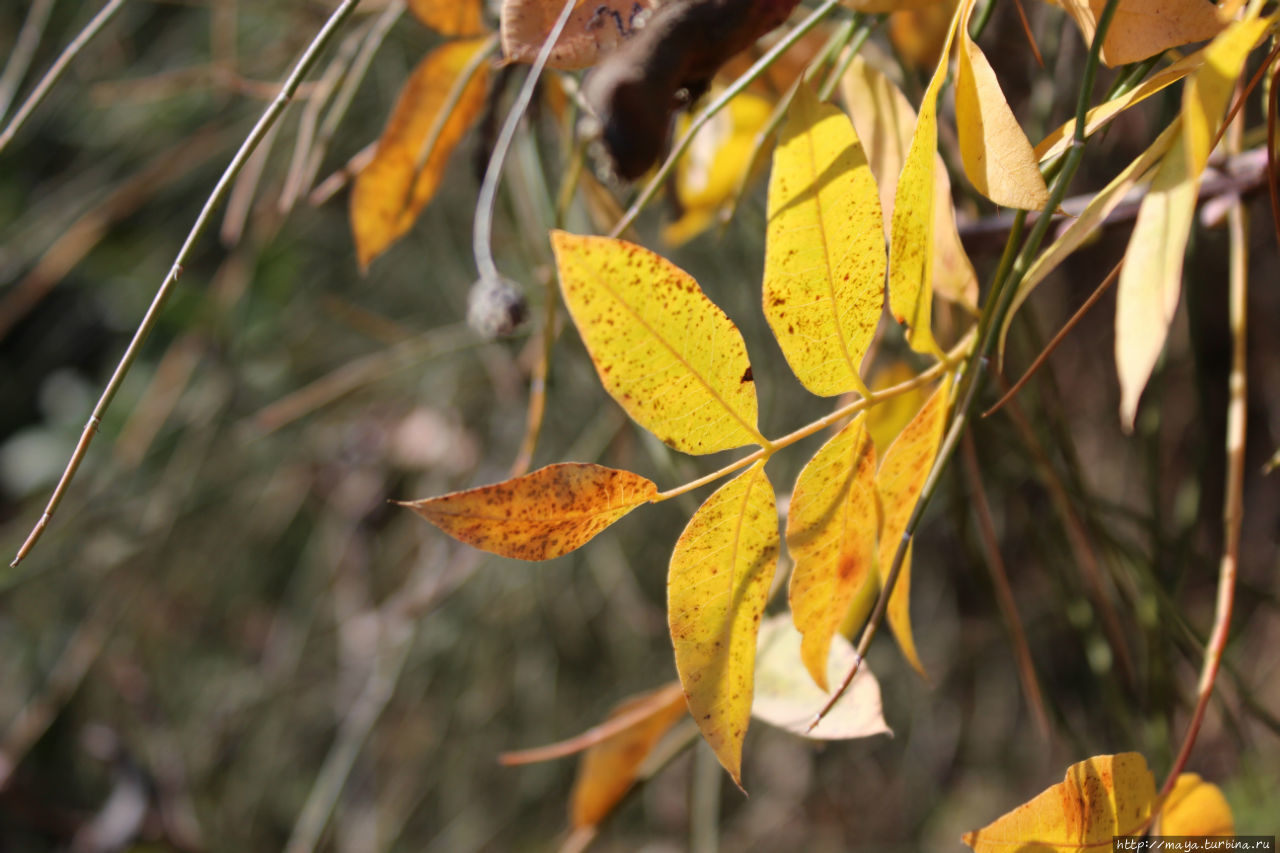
(1143, 28)
(450, 17)
(708, 175)
(663, 350)
(1151, 280)
(886, 419)
(1195, 807)
(392, 190)
(900, 480)
(995, 153)
(717, 587)
(595, 28)
(785, 697)
(885, 121)
(1100, 798)
(918, 35)
(831, 534)
(911, 255)
(824, 259)
(541, 515)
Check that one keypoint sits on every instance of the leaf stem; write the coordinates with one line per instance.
(265, 122)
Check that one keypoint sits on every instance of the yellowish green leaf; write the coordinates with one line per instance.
(884, 121)
(996, 155)
(831, 533)
(911, 241)
(1100, 798)
(1143, 28)
(450, 17)
(392, 190)
(1195, 807)
(717, 587)
(1151, 280)
(595, 28)
(900, 481)
(608, 768)
(662, 349)
(824, 259)
(708, 175)
(541, 515)
(785, 697)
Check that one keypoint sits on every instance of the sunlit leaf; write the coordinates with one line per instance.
(1195, 807)
(541, 515)
(450, 17)
(824, 260)
(662, 349)
(398, 183)
(709, 173)
(831, 533)
(1143, 28)
(885, 120)
(608, 768)
(911, 242)
(996, 155)
(594, 29)
(1100, 798)
(787, 698)
(901, 479)
(1151, 280)
(717, 587)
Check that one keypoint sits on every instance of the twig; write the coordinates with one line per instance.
(24, 48)
(333, 184)
(55, 71)
(538, 385)
(304, 65)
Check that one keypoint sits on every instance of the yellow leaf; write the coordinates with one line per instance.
(450, 17)
(831, 534)
(709, 174)
(1101, 797)
(1195, 807)
(1151, 280)
(884, 121)
(541, 515)
(609, 767)
(918, 35)
(1090, 219)
(900, 481)
(1143, 28)
(785, 697)
(595, 28)
(717, 587)
(996, 155)
(662, 349)
(885, 420)
(911, 253)
(392, 190)
(824, 257)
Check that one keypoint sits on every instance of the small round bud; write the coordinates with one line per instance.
(496, 307)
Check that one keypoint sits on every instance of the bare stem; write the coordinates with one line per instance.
(24, 49)
(219, 194)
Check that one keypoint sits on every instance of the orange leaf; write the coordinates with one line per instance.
(717, 587)
(541, 515)
(398, 183)
(594, 29)
(900, 481)
(609, 767)
(831, 534)
(1195, 807)
(450, 17)
(1101, 797)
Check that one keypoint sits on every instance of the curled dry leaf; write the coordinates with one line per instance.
(450, 17)
(786, 698)
(595, 29)
(824, 259)
(541, 515)
(662, 349)
(717, 587)
(392, 190)
(1100, 798)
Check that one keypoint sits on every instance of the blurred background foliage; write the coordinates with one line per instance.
(231, 640)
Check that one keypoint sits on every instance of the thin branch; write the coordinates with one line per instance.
(268, 119)
(23, 51)
(46, 83)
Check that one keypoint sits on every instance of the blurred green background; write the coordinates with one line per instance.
(230, 640)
